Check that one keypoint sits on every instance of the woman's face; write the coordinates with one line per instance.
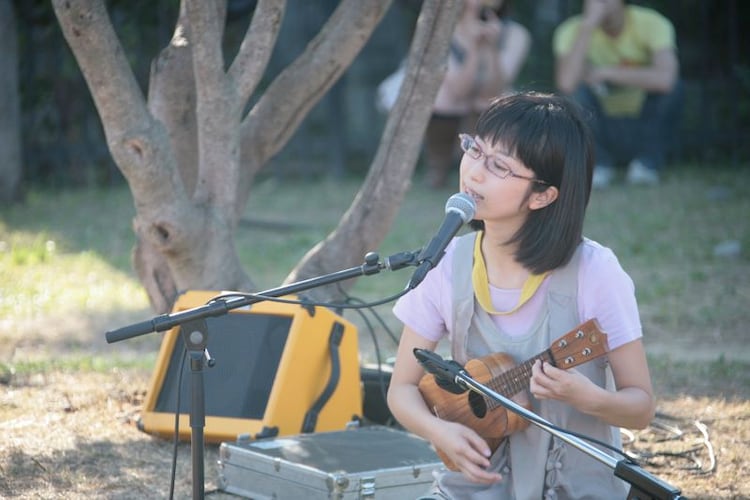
(496, 197)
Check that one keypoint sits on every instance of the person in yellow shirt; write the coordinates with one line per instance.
(620, 62)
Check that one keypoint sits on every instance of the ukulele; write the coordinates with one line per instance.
(499, 372)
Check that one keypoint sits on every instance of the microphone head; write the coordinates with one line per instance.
(462, 204)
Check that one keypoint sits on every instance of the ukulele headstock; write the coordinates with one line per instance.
(584, 343)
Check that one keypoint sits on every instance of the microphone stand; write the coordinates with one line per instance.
(644, 486)
(195, 334)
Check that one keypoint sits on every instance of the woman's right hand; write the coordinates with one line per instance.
(460, 444)
(467, 450)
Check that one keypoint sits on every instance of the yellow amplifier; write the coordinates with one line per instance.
(280, 369)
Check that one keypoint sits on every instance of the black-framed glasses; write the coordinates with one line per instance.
(470, 146)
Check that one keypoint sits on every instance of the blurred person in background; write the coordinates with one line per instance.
(620, 62)
(487, 52)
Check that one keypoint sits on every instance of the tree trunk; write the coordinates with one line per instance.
(189, 155)
(10, 108)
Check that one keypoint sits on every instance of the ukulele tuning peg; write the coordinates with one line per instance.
(563, 343)
(569, 360)
(579, 334)
(586, 351)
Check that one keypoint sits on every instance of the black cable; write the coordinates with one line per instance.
(377, 316)
(308, 302)
(376, 345)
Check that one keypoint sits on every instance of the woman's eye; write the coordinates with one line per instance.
(500, 168)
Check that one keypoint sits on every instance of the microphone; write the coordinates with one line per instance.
(459, 209)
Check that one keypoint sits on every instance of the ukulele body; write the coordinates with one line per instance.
(487, 417)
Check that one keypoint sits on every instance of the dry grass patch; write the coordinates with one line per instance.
(72, 435)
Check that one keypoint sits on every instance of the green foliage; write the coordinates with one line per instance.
(67, 252)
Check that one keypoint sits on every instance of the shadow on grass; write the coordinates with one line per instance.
(50, 339)
(729, 380)
(138, 469)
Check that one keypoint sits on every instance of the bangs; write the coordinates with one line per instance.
(534, 130)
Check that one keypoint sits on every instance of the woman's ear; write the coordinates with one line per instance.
(543, 198)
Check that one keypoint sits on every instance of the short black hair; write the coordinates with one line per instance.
(548, 134)
(503, 10)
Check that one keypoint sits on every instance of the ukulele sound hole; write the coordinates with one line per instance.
(477, 404)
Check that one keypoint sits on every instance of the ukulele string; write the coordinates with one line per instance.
(513, 381)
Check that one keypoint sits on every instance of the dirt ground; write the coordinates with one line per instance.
(72, 434)
(67, 435)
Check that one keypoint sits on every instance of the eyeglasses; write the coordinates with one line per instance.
(470, 146)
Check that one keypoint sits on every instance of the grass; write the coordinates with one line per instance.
(65, 257)
(65, 278)
(67, 252)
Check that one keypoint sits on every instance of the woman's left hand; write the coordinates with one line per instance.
(549, 382)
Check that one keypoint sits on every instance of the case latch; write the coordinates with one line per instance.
(367, 487)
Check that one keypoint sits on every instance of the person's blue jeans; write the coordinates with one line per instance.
(646, 137)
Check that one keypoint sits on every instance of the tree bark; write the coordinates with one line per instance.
(179, 237)
(171, 100)
(10, 108)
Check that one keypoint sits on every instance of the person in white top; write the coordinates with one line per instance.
(487, 52)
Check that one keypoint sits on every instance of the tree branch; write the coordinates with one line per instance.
(171, 100)
(250, 62)
(206, 30)
(289, 98)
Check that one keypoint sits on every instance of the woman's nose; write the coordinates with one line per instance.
(474, 168)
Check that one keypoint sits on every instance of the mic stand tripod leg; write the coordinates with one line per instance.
(195, 336)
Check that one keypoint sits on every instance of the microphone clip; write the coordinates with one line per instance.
(448, 374)
(401, 260)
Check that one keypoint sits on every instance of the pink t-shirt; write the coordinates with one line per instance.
(605, 292)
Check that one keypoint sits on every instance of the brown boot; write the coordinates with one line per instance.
(441, 139)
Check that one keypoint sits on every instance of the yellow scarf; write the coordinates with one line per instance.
(482, 283)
